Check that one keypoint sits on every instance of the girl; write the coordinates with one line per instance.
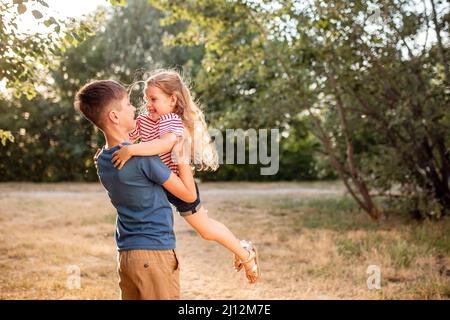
(171, 112)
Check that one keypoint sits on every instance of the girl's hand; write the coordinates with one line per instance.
(120, 157)
(96, 157)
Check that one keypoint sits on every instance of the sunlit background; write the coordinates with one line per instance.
(359, 91)
(60, 10)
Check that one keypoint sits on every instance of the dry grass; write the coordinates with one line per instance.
(311, 246)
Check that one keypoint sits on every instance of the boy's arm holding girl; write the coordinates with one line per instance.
(182, 186)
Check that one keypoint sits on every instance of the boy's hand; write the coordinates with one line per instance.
(182, 149)
(120, 157)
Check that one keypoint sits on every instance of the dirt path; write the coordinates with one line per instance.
(312, 245)
(210, 192)
(45, 228)
(207, 267)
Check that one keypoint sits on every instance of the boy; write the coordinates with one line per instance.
(147, 263)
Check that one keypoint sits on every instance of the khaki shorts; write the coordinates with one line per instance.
(149, 275)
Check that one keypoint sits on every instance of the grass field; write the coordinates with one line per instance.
(313, 241)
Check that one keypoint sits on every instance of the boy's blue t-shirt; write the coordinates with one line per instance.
(144, 215)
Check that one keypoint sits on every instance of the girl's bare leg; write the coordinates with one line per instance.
(213, 230)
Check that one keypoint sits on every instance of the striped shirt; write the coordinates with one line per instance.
(147, 130)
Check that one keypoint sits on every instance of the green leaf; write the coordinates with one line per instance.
(376, 40)
(5, 136)
(21, 8)
(118, 2)
(37, 14)
(69, 38)
(49, 22)
(77, 36)
(42, 2)
(53, 51)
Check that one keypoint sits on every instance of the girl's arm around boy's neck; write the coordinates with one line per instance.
(149, 148)
(153, 147)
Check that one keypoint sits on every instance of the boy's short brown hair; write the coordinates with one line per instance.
(94, 98)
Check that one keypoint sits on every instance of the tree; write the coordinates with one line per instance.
(377, 101)
(25, 59)
(53, 141)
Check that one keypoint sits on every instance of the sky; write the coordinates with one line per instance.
(60, 9)
(75, 8)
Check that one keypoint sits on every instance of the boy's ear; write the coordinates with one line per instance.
(113, 117)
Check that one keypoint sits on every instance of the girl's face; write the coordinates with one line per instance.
(158, 102)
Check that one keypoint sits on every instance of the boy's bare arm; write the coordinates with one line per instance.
(149, 148)
(182, 187)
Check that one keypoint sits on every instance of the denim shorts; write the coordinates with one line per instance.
(185, 208)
